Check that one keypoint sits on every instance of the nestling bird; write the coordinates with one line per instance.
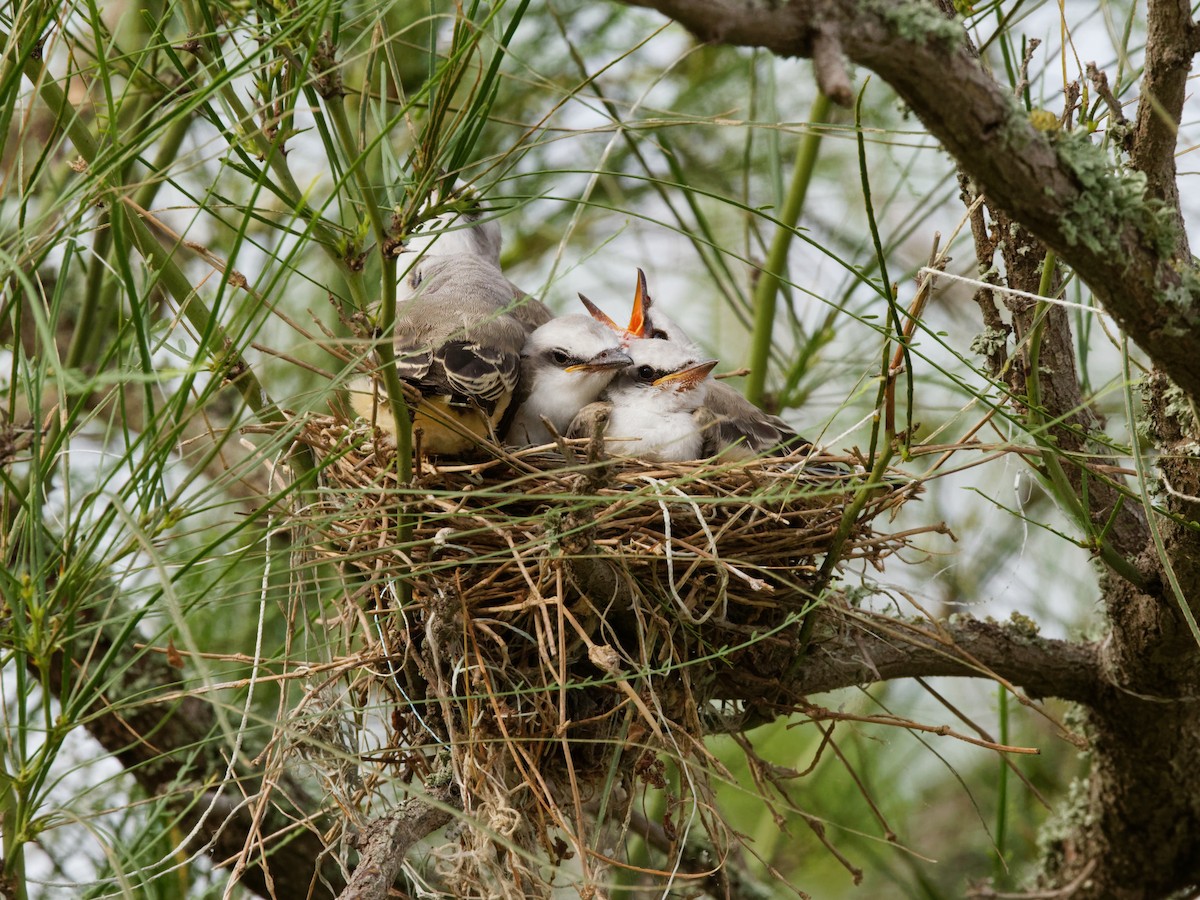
(460, 328)
(565, 365)
(742, 430)
(655, 408)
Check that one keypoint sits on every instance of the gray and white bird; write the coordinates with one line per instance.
(655, 408)
(565, 365)
(460, 328)
(471, 235)
(740, 429)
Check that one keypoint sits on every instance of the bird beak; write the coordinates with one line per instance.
(641, 300)
(600, 315)
(687, 379)
(604, 361)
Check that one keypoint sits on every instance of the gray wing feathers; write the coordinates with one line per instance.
(455, 337)
(714, 437)
(739, 422)
(476, 282)
(527, 310)
(479, 372)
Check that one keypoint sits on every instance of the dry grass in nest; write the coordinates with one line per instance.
(565, 613)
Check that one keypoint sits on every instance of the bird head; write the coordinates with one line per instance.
(669, 371)
(472, 233)
(576, 346)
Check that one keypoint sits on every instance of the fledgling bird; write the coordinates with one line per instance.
(565, 365)
(741, 429)
(460, 328)
(655, 408)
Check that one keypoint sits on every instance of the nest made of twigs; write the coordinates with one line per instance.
(722, 550)
(493, 525)
(558, 612)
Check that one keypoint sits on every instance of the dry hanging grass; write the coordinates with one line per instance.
(566, 620)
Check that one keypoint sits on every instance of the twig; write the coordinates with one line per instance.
(1100, 82)
(821, 713)
(829, 64)
(1067, 890)
(1023, 82)
(983, 733)
(387, 840)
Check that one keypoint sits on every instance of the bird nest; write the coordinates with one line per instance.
(542, 613)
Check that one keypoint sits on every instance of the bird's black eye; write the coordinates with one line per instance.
(560, 357)
(658, 334)
(645, 373)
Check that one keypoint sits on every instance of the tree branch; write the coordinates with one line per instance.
(170, 746)
(878, 648)
(1057, 185)
(1172, 40)
(387, 840)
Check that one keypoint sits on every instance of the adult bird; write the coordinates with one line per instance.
(655, 408)
(741, 429)
(565, 365)
(460, 328)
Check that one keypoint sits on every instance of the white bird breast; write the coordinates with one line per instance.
(558, 396)
(650, 424)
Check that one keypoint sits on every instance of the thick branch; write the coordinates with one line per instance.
(869, 649)
(1172, 40)
(882, 649)
(168, 746)
(1133, 836)
(1056, 185)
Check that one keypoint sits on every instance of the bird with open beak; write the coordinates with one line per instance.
(740, 429)
(460, 328)
(565, 365)
(655, 408)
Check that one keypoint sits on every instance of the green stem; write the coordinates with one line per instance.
(1060, 485)
(889, 294)
(766, 291)
(1001, 869)
(845, 526)
(399, 410)
(385, 350)
(13, 875)
(87, 326)
(354, 163)
(387, 305)
(99, 296)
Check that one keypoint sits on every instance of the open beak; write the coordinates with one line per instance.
(687, 379)
(604, 361)
(641, 300)
(601, 316)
